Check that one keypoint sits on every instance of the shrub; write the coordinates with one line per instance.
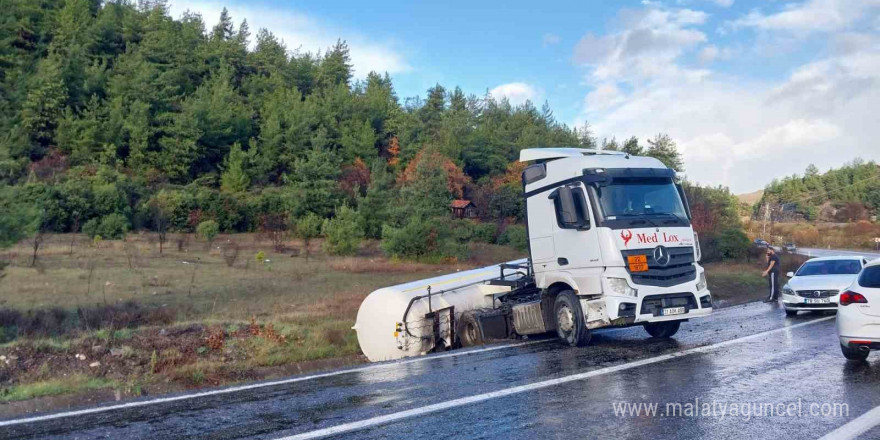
(470, 231)
(112, 226)
(733, 244)
(806, 235)
(420, 239)
(343, 234)
(515, 236)
(306, 228)
(208, 230)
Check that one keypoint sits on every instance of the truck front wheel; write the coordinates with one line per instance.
(662, 329)
(570, 320)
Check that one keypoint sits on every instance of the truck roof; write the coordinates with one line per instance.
(590, 158)
(564, 163)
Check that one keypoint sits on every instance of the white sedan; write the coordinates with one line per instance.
(817, 283)
(858, 319)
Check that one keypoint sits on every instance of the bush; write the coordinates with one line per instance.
(470, 231)
(733, 244)
(208, 230)
(343, 234)
(112, 226)
(515, 236)
(424, 240)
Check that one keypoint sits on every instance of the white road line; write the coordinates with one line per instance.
(236, 389)
(393, 417)
(855, 427)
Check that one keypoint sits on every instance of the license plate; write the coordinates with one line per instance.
(673, 311)
(818, 300)
(637, 263)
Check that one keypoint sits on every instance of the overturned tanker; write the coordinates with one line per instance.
(610, 244)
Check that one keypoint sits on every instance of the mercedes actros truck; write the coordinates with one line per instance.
(610, 244)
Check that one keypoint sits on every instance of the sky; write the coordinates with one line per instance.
(749, 90)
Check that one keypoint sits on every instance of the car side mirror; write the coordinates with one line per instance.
(790, 274)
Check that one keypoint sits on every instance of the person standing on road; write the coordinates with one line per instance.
(772, 274)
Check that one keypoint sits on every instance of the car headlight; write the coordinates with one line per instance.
(787, 290)
(619, 286)
(702, 284)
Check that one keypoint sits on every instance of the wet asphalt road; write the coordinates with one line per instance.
(816, 252)
(789, 365)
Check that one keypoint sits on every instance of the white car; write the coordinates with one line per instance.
(817, 283)
(858, 320)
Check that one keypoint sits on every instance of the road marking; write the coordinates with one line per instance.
(236, 389)
(393, 417)
(855, 427)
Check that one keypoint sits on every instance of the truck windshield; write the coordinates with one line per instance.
(629, 199)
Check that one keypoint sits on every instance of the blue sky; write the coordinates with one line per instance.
(746, 88)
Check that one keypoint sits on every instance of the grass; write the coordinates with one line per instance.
(54, 387)
(229, 322)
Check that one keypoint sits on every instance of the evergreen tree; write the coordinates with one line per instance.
(663, 148)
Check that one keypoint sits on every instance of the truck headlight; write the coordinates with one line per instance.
(698, 251)
(701, 283)
(787, 290)
(619, 286)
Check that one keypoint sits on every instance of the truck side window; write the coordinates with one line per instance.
(571, 208)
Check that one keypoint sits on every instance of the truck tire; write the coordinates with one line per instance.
(570, 326)
(662, 329)
(469, 333)
(853, 353)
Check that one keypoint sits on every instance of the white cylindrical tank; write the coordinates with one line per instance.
(379, 328)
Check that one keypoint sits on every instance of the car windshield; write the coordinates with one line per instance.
(830, 267)
(641, 197)
(870, 277)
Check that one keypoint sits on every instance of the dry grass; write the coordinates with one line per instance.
(231, 320)
(859, 235)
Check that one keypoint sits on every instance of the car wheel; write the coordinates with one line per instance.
(469, 333)
(790, 313)
(570, 325)
(662, 329)
(854, 353)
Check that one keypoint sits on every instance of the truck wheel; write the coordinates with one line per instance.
(662, 329)
(853, 353)
(570, 320)
(469, 333)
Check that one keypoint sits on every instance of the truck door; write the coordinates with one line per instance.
(574, 233)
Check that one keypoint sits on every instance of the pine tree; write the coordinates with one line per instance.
(663, 148)
(234, 178)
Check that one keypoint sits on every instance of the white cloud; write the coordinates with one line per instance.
(736, 131)
(300, 31)
(550, 39)
(646, 47)
(810, 16)
(517, 93)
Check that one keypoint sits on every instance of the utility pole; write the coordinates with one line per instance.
(766, 216)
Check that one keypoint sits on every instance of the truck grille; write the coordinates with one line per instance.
(679, 270)
(817, 293)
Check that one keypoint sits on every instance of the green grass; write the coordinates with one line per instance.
(53, 387)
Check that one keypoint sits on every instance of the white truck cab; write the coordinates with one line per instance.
(610, 244)
(612, 233)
